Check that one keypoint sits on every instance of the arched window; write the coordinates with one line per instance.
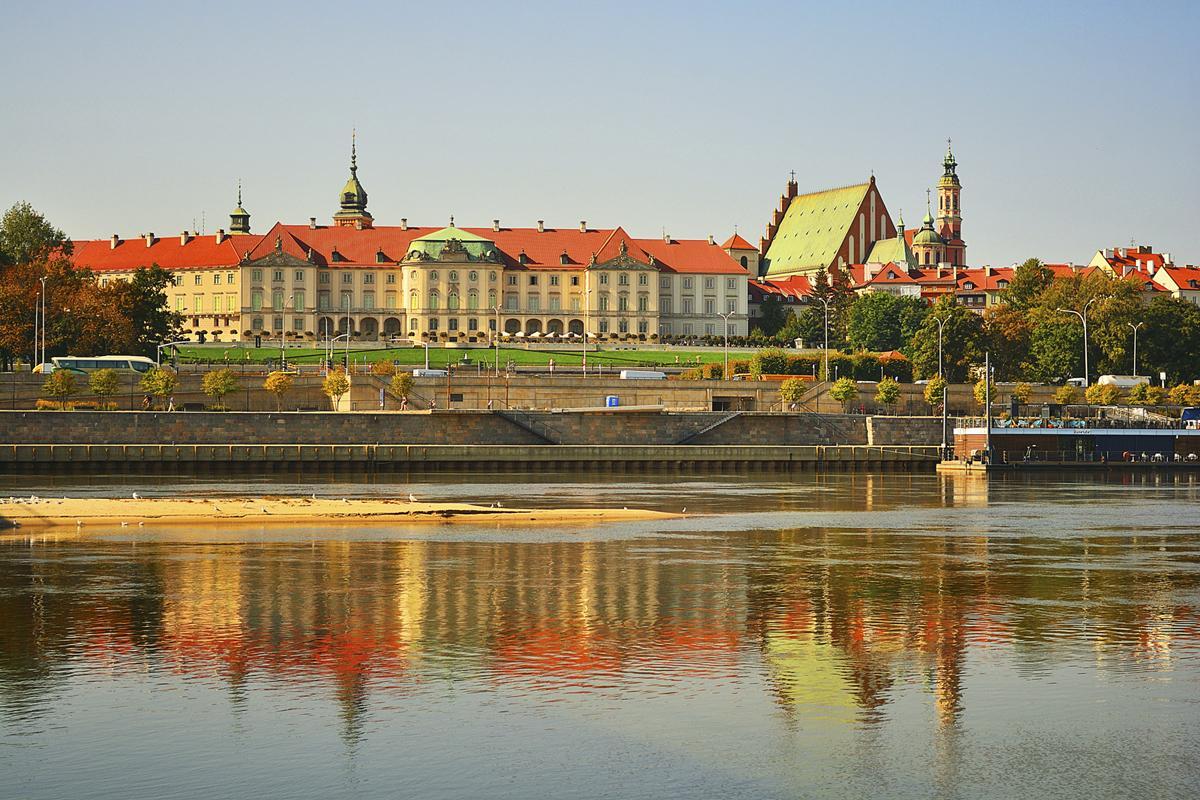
(453, 276)
(623, 279)
(473, 275)
(414, 301)
(473, 300)
(745, 261)
(452, 301)
(433, 301)
(433, 276)
(491, 299)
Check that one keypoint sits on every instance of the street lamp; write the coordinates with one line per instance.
(726, 318)
(1083, 318)
(164, 345)
(333, 348)
(40, 355)
(1135, 330)
(283, 335)
(496, 337)
(825, 302)
(941, 323)
(587, 318)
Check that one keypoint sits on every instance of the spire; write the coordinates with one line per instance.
(928, 221)
(948, 163)
(352, 203)
(900, 224)
(239, 218)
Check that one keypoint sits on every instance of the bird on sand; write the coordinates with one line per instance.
(412, 498)
(137, 496)
(124, 524)
(141, 524)
(684, 510)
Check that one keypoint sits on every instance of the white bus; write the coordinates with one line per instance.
(93, 363)
(642, 375)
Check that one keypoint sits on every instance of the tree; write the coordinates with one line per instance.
(791, 391)
(887, 393)
(1066, 395)
(1156, 396)
(1102, 394)
(60, 385)
(219, 383)
(400, 385)
(143, 300)
(1007, 332)
(1028, 282)
(984, 390)
(159, 382)
(1170, 340)
(963, 342)
(772, 315)
(1055, 347)
(879, 321)
(1137, 395)
(383, 369)
(1180, 395)
(104, 383)
(26, 236)
(1022, 392)
(844, 391)
(278, 384)
(935, 391)
(335, 386)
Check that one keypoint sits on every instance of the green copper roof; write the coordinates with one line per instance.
(927, 236)
(431, 245)
(890, 251)
(813, 229)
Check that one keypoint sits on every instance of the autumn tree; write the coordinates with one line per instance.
(61, 386)
(792, 391)
(104, 383)
(218, 384)
(844, 391)
(1066, 395)
(335, 386)
(887, 393)
(383, 368)
(278, 384)
(1102, 394)
(935, 391)
(159, 383)
(983, 391)
(401, 385)
(1028, 281)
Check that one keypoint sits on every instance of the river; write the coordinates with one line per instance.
(862, 635)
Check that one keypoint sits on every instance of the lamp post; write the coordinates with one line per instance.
(164, 345)
(283, 335)
(496, 337)
(825, 302)
(587, 318)
(41, 356)
(1135, 330)
(333, 349)
(726, 317)
(1083, 318)
(941, 323)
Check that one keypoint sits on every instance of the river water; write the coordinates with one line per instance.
(820, 636)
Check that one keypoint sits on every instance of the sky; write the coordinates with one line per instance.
(1075, 124)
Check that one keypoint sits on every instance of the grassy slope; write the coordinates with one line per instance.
(440, 356)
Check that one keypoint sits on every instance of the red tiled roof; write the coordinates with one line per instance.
(736, 242)
(167, 252)
(795, 286)
(1186, 278)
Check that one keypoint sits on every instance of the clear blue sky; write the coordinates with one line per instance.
(1075, 123)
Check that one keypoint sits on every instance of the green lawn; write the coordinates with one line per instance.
(438, 357)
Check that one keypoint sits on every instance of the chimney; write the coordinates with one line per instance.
(541, 226)
(583, 226)
(116, 240)
(312, 223)
(184, 238)
(666, 237)
(1071, 266)
(1167, 259)
(149, 237)
(220, 235)
(404, 223)
(711, 240)
(496, 225)
(358, 224)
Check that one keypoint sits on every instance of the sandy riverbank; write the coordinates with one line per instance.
(92, 512)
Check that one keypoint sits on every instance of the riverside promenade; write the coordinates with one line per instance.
(508, 441)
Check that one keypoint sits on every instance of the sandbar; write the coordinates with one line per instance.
(84, 512)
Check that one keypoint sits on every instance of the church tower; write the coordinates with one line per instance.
(352, 204)
(239, 218)
(949, 219)
(928, 245)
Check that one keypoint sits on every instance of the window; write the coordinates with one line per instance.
(391, 278)
(643, 326)
(299, 276)
(229, 278)
(256, 324)
(533, 280)
(216, 279)
(178, 303)
(623, 326)
(369, 278)
(643, 303)
(324, 278)
(473, 276)
(731, 307)
(298, 299)
(414, 300)
(491, 276)
(454, 276)
(664, 282)
(709, 330)
(687, 283)
(554, 280)
(604, 302)
(731, 284)
(535, 304)
(277, 299)
(687, 305)
(433, 276)
(256, 275)
(389, 300)
(491, 298)
(452, 301)
(297, 324)
(574, 280)
(472, 324)
(555, 303)
(710, 307)
(642, 279)
(347, 300)
(324, 301)
(369, 301)
(277, 324)
(231, 302)
(433, 324)
(197, 304)
(277, 275)
(452, 324)
(603, 326)
(603, 278)
(745, 262)
(623, 279)
(575, 303)
(197, 280)
(433, 301)
(664, 305)
(347, 278)
(510, 301)
(710, 283)
(623, 303)
(256, 300)
(512, 280)
(472, 300)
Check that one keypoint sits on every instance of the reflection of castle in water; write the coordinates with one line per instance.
(836, 625)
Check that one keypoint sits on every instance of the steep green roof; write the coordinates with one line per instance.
(889, 251)
(813, 229)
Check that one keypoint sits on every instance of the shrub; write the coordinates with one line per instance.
(103, 383)
(1066, 395)
(772, 361)
(1137, 395)
(160, 383)
(400, 385)
(278, 384)
(1102, 394)
(935, 391)
(1156, 396)
(792, 390)
(219, 383)
(1180, 395)
(887, 393)
(383, 369)
(335, 386)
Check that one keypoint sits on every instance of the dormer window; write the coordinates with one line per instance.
(522, 258)
(334, 255)
(968, 286)
(380, 257)
(564, 258)
(1002, 284)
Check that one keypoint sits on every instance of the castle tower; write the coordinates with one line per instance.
(949, 219)
(239, 218)
(928, 245)
(352, 204)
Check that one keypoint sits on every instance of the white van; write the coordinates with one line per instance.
(642, 375)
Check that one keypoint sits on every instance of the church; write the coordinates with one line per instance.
(851, 225)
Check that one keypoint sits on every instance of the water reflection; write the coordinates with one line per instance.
(835, 627)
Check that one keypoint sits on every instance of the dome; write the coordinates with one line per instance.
(927, 235)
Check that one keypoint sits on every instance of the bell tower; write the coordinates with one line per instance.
(239, 218)
(949, 218)
(352, 204)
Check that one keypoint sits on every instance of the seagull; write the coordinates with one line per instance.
(412, 498)
(124, 524)
(344, 500)
(137, 496)
(264, 510)
(684, 510)
(141, 524)
(78, 523)
(33, 498)
(314, 496)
